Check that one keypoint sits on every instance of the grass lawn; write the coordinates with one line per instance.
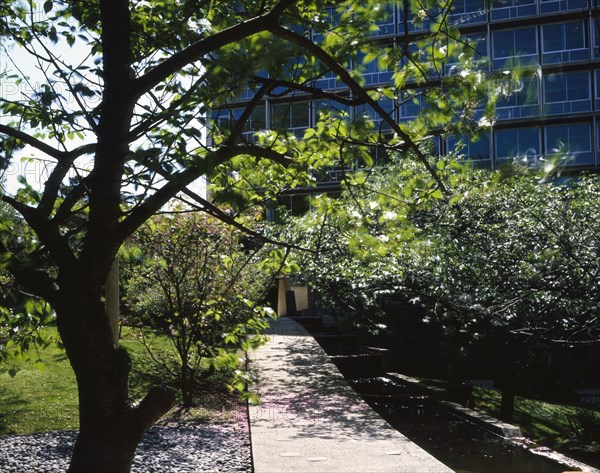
(39, 400)
(550, 424)
(564, 427)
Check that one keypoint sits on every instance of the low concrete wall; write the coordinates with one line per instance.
(490, 423)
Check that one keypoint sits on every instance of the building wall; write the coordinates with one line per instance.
(555, 106)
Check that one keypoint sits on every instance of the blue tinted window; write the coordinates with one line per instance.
(520, 44)
(518, 143)
(468, 11)
(525, 41)
(367, 112)
(569, 86)
(548, 6)
(411, 104)
(293, 115)
(572, 141)
(473, 147)
(505, 9)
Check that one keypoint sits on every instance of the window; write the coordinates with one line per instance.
(293, 117)
(596, 47)
(567, 93)
(521, 144)
(514, 47)
(597, 142)
(572, 142)
(472, 147)
(565, 42)
(329, 106)
(327, 21)
(226, 119)
(386, 24)
(506, 9)
(551, 6)
(598, 93)
(466, 12)
(375, 72)
(366, 112)
(522, 102)
(257, 120)
(475, 46)
(416, 22)
(412, 102)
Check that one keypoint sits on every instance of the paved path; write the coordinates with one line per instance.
(311, 420)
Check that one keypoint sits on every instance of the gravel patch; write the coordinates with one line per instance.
(185, 448)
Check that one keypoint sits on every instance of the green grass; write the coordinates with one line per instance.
(40, 400)
(547, 423)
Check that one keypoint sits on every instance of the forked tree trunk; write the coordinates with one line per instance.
(110, 425)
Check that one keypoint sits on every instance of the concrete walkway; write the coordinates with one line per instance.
(311, 420)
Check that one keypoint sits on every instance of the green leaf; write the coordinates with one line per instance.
(437, 194)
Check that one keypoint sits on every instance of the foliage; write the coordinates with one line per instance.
(22, 316)
(116, 114)
(202, 284)
(507, 262)
(551, 424)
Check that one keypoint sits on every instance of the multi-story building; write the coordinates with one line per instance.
(554, 108)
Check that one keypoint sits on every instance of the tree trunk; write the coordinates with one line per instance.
(110, 425)
(186, 384)
(507, 404)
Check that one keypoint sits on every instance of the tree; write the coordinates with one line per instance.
(197, 284)
(508, 266)
(126, 86)
(518, 261)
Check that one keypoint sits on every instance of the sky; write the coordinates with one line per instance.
(36, 170)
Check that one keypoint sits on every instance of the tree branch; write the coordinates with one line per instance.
(38, 282)
(213, 210)
(199, 49)
(30, 140)
(358, 91)
(47, 232)
(314, 91)
(178, 182)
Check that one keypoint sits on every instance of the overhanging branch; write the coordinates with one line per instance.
(213, 210)
(358, 91)
(178, 182)
(196, 51)
(30, 140)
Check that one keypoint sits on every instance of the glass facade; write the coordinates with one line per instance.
(565, 42)
(566, 93)
(553, 107)
(472, 147)
(509, 9)
(522, 102)
(520, 144)
(293, 117)
(516, 47)
(570, 140)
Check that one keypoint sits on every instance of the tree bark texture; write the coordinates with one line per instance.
(110, 425)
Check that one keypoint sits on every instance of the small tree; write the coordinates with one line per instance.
(201, 286)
